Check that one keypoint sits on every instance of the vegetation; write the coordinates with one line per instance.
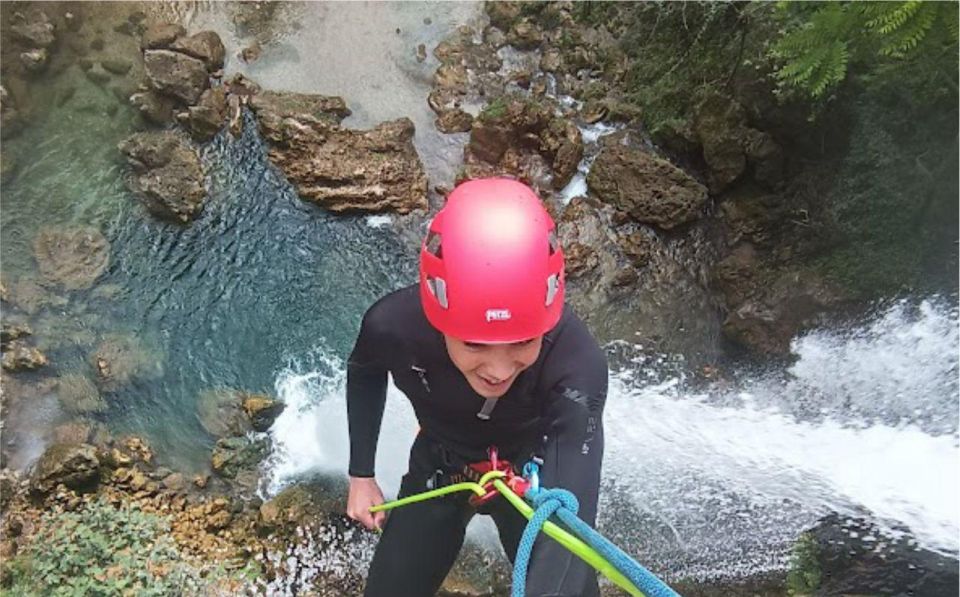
(804, 575)
(825, 40)
(103, 550)
(882, 158)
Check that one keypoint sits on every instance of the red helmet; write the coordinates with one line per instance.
(491, 269)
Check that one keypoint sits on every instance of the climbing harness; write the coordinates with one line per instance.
(578, 537)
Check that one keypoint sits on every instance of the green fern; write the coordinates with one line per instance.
(825, 38)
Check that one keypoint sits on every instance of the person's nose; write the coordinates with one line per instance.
(501, 365)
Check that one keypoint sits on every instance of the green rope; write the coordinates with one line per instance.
(572, 543)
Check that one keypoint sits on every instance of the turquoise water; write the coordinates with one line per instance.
(227, 301)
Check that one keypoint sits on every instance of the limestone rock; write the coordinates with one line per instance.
(271, 106)
(161, 35)
(155, 108)
(79, 395)
(10, 331)
(176, 75)
(233, 455)
(35, 60)
(454, 121)
(780, 305)
(20, 357)
(292, 507)
(119, 359)
(75, 432)
(729, 145)
(73, 465)
(37, 32)
(341, 169)
(205, 46)
(649, 188)
(117, 66)
(262, 410)
(221, 412)
(167, 174)
(71, 256)
(209, 115)
(525, 35)
(631, 284)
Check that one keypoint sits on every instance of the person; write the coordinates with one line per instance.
(489, 355)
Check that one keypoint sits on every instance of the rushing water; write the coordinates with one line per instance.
(264, 293)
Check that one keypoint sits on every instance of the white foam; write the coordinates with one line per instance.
(378, 221)
(310, 436)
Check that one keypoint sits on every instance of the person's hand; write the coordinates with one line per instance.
(364, 494)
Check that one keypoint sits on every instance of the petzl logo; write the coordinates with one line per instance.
(498, 315)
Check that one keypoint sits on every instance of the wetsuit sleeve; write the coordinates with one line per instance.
(572, 454)
(366, 395)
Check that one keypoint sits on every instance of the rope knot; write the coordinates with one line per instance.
(559, 498)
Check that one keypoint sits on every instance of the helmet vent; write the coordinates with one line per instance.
(553, 286)
(432, 245)
(553, 242)
(438, 288)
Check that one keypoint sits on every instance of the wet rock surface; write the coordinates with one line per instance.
(73, 465)
(73, 257)
(855, 558)
(649, 188)
(176, 75)
(18, 356)
(337, 168)
(205, 46)
(167, 174)
(631, 283)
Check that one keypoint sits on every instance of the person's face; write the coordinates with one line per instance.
(492, 368)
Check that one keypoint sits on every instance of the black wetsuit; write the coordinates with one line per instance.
(553, 409)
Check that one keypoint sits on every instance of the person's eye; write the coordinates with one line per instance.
(473, 345)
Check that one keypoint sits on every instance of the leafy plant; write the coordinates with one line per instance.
(824, 40)
(804, 575)
(103, 550)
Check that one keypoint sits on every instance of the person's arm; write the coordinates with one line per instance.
(366, 397)
(572, 459)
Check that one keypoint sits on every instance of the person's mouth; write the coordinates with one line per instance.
(493, 383)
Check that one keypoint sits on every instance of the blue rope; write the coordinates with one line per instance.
(560, 501)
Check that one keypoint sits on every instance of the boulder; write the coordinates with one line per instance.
(729, 145)
(272, 106)
(79, 395)
(221, 412)
(73, 257)
(161, 35)
(237, 454)
(11, 121)
(525, 35)
(117, 66)
(209, 115)
(649, 188)
(503, 14)
(176, 75)
(36, 31)
(632, 284)
(30, 296)
(10, 331)
(119, 359)
(292, 507)
(205, 46)
(261, 410)
(167, 174)
(35, 60)
(20, 357)
(341, 169)
(73, 465)
(74, 432)
(454, 121)
(854, 557)
(778, 305)
(522, 137)
(155, 108)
